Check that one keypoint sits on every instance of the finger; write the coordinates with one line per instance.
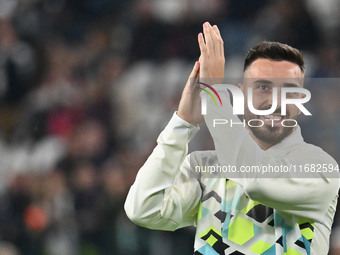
(202, 45)
(220, 40)
(217, 31)
(216, 39)
(195, 70)
(207, 31)
(193, 75)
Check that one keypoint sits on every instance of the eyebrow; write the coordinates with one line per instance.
(263, 82)
(291, 85)
(286, 84)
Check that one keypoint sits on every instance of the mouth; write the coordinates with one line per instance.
(272, 119)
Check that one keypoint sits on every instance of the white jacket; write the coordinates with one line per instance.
(246, 214)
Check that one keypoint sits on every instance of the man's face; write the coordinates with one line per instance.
(262, 76)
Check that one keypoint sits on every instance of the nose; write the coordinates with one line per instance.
(275, 95)
(278, 99)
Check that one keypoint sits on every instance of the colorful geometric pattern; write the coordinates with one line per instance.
(232, 223)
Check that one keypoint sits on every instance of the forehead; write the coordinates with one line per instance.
(267, 69)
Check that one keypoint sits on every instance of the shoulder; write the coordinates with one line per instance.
(314, 153)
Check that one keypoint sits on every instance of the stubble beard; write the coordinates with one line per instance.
(268, 133)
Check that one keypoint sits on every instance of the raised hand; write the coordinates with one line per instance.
(212, 60)
(209, 69)
(189, 108)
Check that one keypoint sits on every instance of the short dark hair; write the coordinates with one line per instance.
(274, 51)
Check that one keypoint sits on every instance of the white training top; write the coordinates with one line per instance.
(246, 214)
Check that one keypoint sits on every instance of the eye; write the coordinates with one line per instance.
(263, 87)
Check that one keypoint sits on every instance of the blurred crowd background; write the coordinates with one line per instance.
(86, 87)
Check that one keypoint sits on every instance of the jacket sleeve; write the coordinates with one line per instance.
(306, 197)
(165, 195)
